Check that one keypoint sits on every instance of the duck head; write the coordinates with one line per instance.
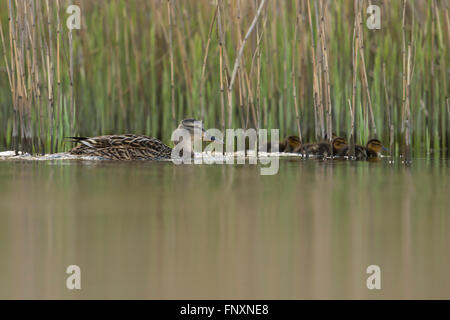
(192, 126)
(374, 147)
(338, 143)
(292, 143)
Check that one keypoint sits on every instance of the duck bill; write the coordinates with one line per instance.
(208, 138)
(219, 141)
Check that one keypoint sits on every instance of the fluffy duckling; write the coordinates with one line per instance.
(372, 150)
(324, 148)
(288, 144)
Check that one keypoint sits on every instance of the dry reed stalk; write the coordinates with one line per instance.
(236, 12)
(447, 23)
(12, 44)
(407, 108)
(258, 44)
(58, 65)
(172, 80)
(403, 66)
(8, 72)
(126, 44)
(120, 91)
(302, 68)
(71, 73)
(258, 78)
(354, 78)
(250, 98)
(406, 82)
(39, 96)
(389, 112)
(241, 111)
(184, 63)
(23, 97)
(247, 98)
(373, 128)
(352, 128)
(205, 58)
(447, 101)
(29, 123)
(230, 105)
(274, 53)
(442, 66)
(222, 98)
(317, 129)
(137, 58)
(326, 74)
(410, 70)
(319, 66)
(238, 58)
(229, 93)
(432, 68)
(294, 87)
(50, 77)
(285, 94)
(241, 84)
(17, 62)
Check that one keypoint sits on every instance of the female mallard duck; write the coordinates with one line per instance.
(132, 146)
(288, 144)
(372, 150)
(324, 148)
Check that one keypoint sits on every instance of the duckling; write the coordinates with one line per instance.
(300, 148)
(132, 146)
(324, 148)
(288, 144)
(372, 150)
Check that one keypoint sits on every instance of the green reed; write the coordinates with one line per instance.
(121, 62)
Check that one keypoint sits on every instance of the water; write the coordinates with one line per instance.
(157, 230)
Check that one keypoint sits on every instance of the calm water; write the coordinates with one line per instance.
(157, 230)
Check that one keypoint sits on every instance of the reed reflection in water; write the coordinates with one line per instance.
(156, 230)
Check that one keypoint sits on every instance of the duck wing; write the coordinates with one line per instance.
(344, 151)
(122, 147)
(322, 148)
(360, 152)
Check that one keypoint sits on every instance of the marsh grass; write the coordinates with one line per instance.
(307, 67)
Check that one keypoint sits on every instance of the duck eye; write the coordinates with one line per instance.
(213, 138)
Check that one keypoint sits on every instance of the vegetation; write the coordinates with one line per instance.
(306, 67)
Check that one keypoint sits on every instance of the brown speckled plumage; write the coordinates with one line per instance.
(288, 144)
(324, 148)
(122, 147)
(371, 150)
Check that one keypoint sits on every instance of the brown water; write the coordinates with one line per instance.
(157, 230)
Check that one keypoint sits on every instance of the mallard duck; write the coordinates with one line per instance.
(288, 144)
(132, 146)
(324, 148)
(372, 150)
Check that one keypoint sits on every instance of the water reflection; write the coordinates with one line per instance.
(155, 230)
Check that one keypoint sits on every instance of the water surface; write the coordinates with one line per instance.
(157, 230)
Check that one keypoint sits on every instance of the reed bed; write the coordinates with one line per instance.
(309, 68)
